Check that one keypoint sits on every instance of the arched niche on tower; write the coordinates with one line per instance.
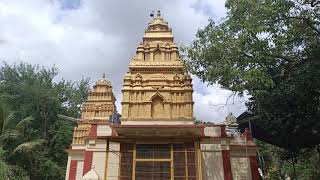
(157, 55)
(158, 110)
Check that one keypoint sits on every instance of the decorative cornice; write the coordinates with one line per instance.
(139, 63)
(159, 119)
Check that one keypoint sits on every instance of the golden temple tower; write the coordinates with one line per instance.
(100, 104)
(157, 138)
(156, 89)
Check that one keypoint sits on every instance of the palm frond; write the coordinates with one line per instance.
(24, 122)
(3, 170)
(8, 120)
(6, 117)
(29, 146)
(10, 134)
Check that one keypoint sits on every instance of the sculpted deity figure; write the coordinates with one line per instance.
(231, 119)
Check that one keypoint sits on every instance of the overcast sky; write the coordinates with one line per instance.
(86, 38)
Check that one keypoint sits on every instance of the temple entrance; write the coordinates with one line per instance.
(153, 161)
(158, 161)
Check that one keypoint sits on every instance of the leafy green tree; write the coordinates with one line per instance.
(6, 117)
(10, 131)
(17, 173)
(33, 91)
(257, 43)
(279, 164)
(3, 166)
(268, 49)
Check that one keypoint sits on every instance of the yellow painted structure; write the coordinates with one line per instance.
(157, 138)
(156, 87)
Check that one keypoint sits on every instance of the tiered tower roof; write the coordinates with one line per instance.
(156, 89)
(100, 103)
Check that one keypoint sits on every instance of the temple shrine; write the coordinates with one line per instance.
(157, 138)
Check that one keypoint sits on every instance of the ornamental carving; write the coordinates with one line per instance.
(158, 76)
(100, 103)
(157, 87)
(157, 61)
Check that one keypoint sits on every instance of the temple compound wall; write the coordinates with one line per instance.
(219, 156)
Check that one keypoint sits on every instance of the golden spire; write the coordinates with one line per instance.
(100, 102)
(103, 81)
(156, 89)
(158, 24)
(99, 105)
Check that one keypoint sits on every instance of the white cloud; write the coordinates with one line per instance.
(213, 104)
(101, 37)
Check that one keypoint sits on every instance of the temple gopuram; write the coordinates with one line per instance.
(157, 138)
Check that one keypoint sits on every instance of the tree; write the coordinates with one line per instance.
(3, 166)
(256, 44)
(11, 131)
(33, 91)
(6, 118)
(278, 162)
(270, 50)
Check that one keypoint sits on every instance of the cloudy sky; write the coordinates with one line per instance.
(86, 38)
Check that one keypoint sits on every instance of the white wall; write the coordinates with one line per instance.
(113, 161)
(240, 167)
(98, 160)
(68, 167)
(212, 162)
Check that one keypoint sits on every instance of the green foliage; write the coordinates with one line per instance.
(258, 41)
(17, 173)
(3, 165)
(280, 163)
(32, 136)
(6, 122)
(270, 50)
(60, 134)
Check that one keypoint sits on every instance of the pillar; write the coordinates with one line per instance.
(199, 158)
(254, 168)
(88, 155)
(226, 165)
(107, 160)
(73, 170)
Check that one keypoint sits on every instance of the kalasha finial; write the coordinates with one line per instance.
(103, 75)
(158, 13)
(152, 14)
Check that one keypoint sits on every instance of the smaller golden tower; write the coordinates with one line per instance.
(100, 104)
